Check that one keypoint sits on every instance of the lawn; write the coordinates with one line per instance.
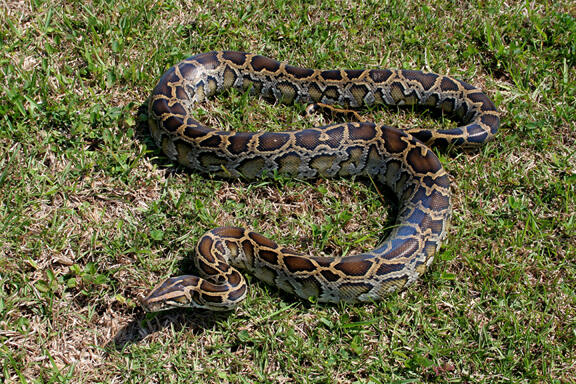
(92, 214)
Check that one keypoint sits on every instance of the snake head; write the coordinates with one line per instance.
(174, 292)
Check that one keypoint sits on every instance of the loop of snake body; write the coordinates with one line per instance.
(400, 160)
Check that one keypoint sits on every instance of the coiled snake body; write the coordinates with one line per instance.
(401, 160)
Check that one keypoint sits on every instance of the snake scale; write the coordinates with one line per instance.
(400, 160)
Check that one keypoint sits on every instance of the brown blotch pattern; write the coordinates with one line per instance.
(487, 104)
(353, 74)
(309, 138)
(234, 278)
(208, 60)
(393, 140)
(298, 264)
(299, 72)
(237, 294)
(271, 141)
(333, 75)
(405, 249)
(362, 131)
(205, 248)
(237, 58)
(423, 163)
(269, 256)
(330, 276)
(354, 265)
(448, 84)
(387, 268)
(262, 240)
(210, 287)
(238, 143)
(426, 79)
(260, 63)
(437, 201)
(380, 75)
(212, 142)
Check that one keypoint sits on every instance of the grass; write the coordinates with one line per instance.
(92, 214)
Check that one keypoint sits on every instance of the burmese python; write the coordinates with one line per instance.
(401, 160)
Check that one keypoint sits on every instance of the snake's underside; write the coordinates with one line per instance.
(400, 160)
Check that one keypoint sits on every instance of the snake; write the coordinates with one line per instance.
(400, 160)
